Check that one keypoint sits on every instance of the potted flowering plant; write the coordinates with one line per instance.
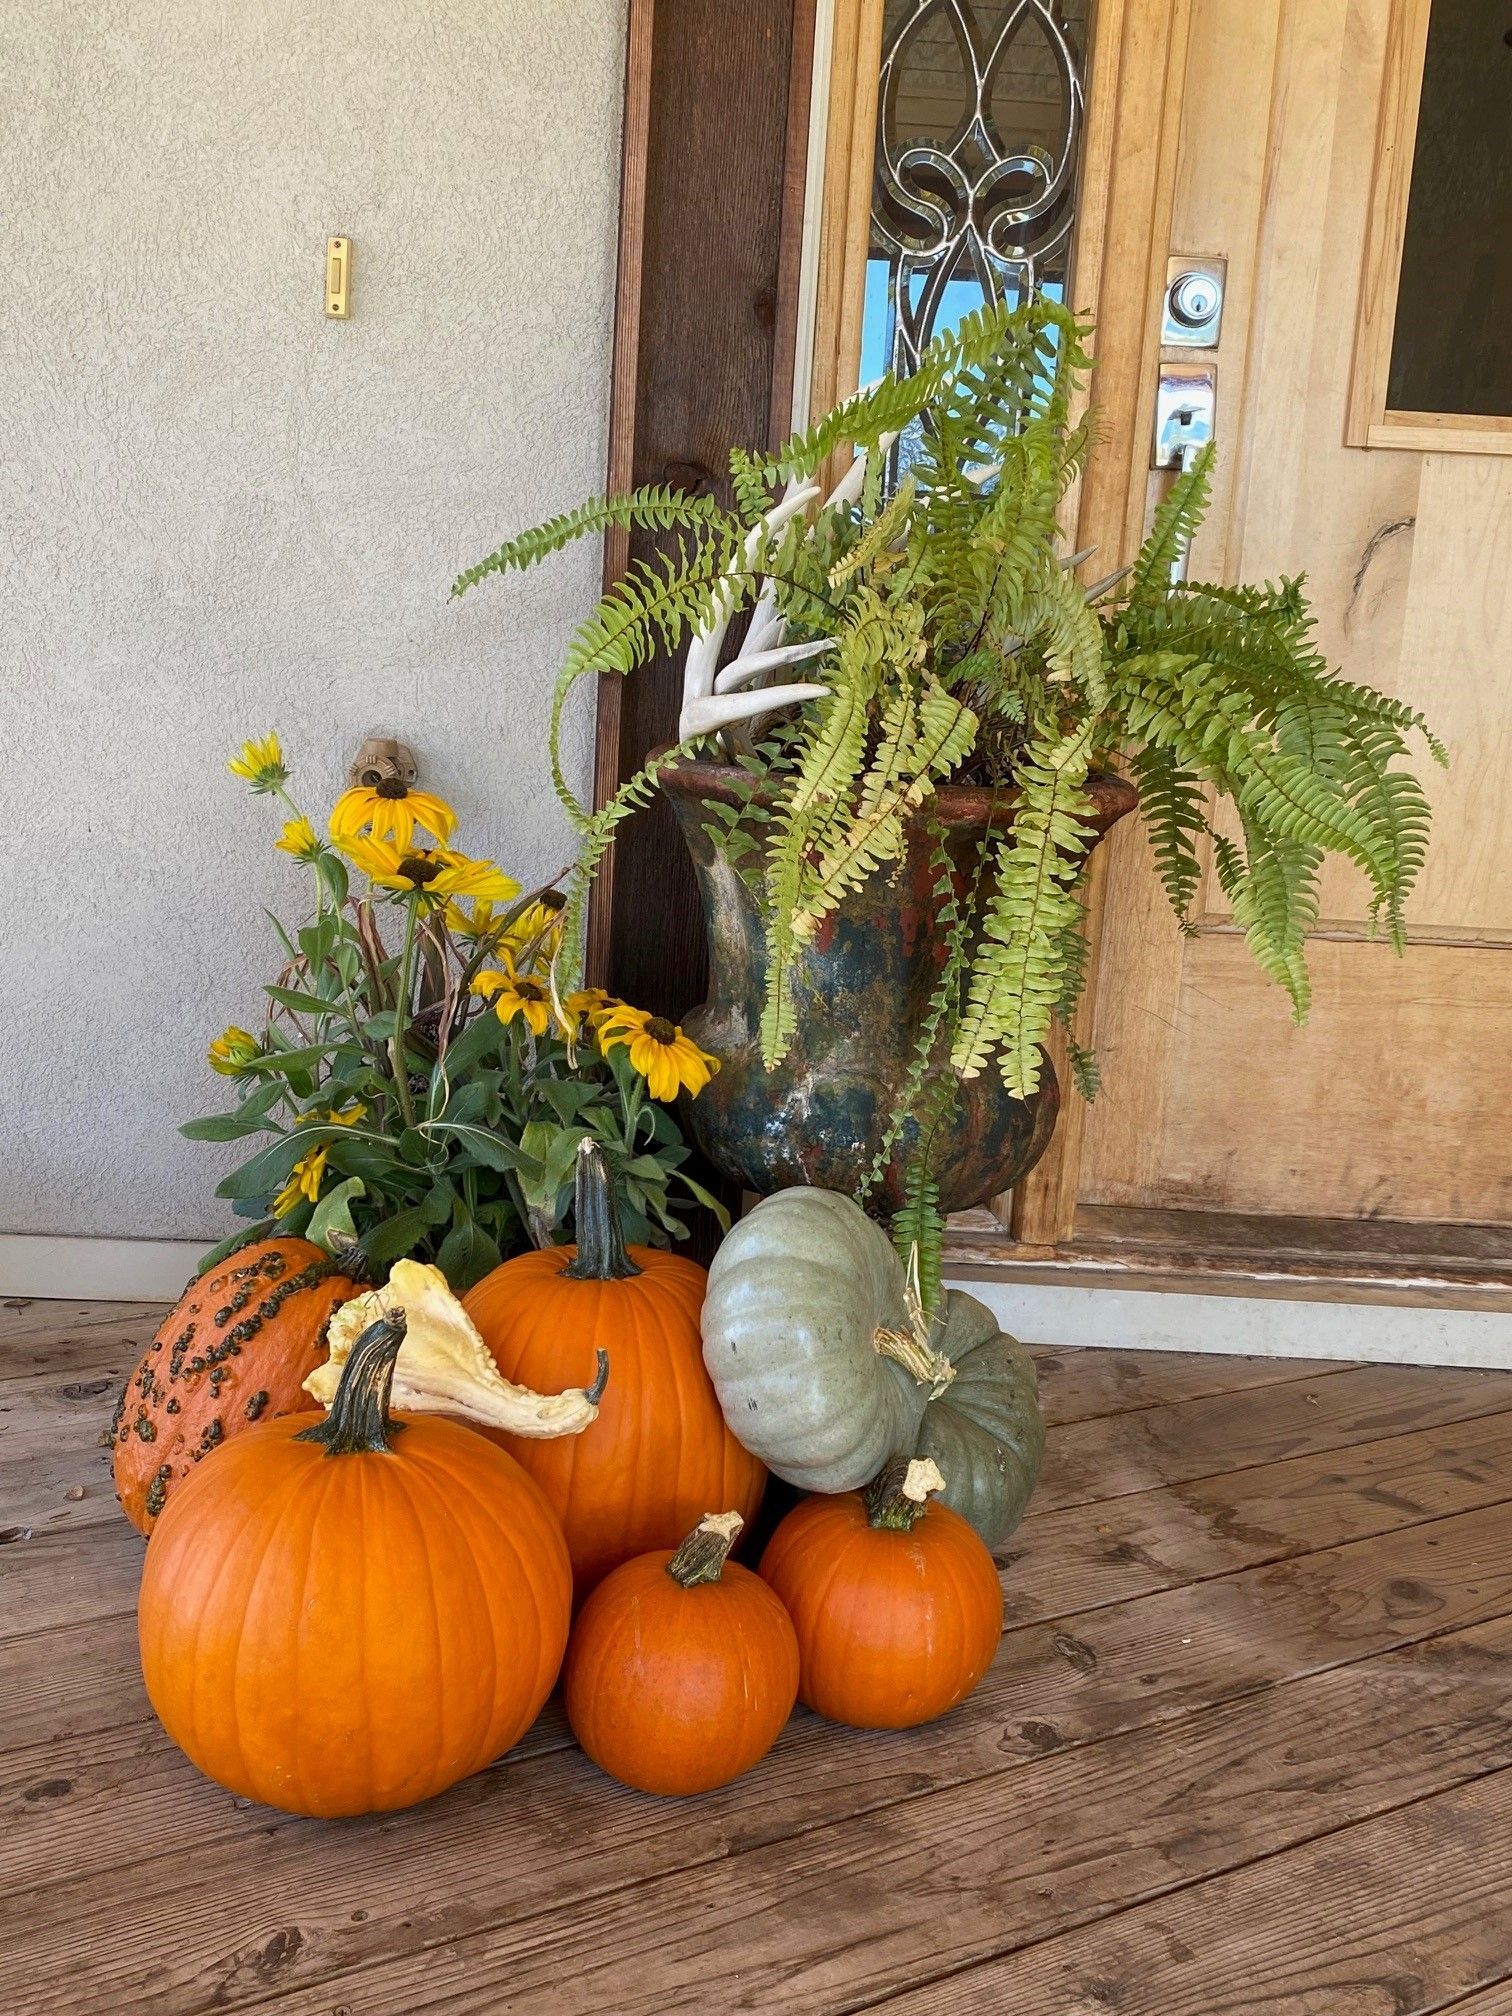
(424, 1079)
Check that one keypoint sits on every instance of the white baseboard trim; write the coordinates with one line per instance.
(46, 1266)
(1145, 1320)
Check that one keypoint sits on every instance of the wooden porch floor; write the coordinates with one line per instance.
(1247, 1747)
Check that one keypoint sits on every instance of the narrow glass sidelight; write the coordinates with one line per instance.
(979, 124)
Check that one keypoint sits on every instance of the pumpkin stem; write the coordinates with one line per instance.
(601, 1254)
(359, 1421)
(917, 1357)
(897, 1497)
(702, 1556)
(350, 1259)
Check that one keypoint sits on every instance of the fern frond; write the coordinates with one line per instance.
(1176, 520)
(917, 746)
(1174, 807)
(1019, 970)
(596, 833)
(660, 599)
(656, 507)
(918, 1232)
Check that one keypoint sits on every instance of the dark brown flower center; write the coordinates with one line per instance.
(530, 990)
(419, 869)
(391, 787)
(660, 1030)
(553, 899)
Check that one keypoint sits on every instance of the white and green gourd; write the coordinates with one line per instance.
(809, 1338)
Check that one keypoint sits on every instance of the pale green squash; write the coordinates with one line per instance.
(808, 1342)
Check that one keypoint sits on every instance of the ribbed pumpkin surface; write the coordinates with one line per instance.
(336, 1635)
(893, 1628)
(236, 1350)
(659, 1456)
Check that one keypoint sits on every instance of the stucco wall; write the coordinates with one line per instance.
(222, 513)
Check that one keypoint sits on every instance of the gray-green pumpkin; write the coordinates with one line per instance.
(808, 1341)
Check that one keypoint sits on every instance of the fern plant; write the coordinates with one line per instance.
(962, 644)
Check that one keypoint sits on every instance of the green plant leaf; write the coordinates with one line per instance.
(331, 1220)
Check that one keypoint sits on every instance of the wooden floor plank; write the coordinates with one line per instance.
(1398, 1916)
(1087, 1461)
(1081, 1557)
(832, 1918)
(1077, 1384)
(74, 1340)
(1150, 1662)
(68, 1575)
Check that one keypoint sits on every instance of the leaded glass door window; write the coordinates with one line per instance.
(979, 124)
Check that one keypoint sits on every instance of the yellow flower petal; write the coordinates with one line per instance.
(261, 764)
(390, 811)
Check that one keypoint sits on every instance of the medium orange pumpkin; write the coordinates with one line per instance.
(683, 1667)
(236, 1349)
(895, 1600)
(347, 1613)
(659, 1453)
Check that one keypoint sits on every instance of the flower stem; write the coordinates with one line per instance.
(401, 1016)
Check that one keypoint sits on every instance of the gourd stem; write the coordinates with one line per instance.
(359, 1421)
(601, 1254)
(898, 1496)
(702, 1556)
(931, 1368)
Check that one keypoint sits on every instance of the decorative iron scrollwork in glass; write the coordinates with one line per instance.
(979, 123)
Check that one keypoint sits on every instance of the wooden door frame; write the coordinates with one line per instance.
(711, 228)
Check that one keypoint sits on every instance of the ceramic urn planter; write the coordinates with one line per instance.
(862, 987)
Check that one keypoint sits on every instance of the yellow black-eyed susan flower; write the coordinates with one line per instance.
(390, 810)
(665, 1058)
(515, 994)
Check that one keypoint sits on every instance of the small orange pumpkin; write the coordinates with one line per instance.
(895, 1600)
(683, 1667)
(347, 1613)
(237, 1348)
(659, 1453)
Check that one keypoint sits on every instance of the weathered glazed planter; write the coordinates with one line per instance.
(862, 988)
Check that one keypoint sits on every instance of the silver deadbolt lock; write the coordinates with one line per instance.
(1193, 311)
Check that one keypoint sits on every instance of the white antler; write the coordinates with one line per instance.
(712, 700)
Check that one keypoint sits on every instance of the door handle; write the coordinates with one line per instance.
(1186, 411)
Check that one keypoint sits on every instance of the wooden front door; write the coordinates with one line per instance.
(1293, 145)
(1276, 140)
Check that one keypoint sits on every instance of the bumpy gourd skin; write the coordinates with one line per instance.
(797, 1295)
(338, 1635)
(234, 1351)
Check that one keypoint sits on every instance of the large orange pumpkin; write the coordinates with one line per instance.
(348, 1613)
(236, 1349)
(896, 1600)
(659, 1453)
(682, 1668)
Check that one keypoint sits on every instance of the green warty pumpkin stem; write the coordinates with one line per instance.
(601, 1254)
(359, 1422)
